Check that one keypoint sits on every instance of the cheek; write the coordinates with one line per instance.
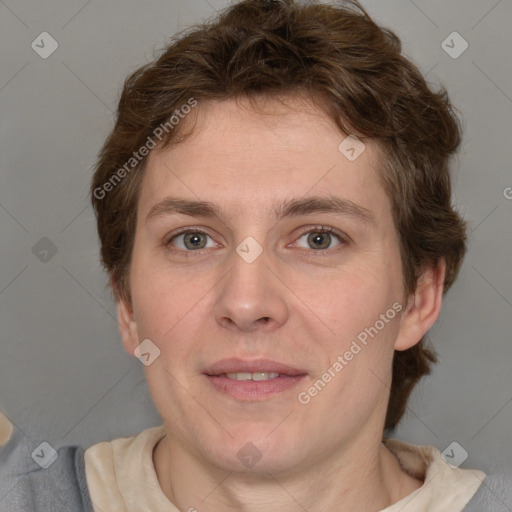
(361, 311)
(161, 308)
(348, 300)
(163, 297)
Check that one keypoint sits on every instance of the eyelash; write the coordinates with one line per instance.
(343, 239)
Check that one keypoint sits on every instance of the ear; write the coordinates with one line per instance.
(423, 307)
(127, 326)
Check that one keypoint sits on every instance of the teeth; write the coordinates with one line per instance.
(257, 376)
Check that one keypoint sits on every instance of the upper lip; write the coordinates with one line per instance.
(236, 365)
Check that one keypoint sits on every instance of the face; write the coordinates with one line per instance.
(268, 275)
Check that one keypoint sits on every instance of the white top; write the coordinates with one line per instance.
(121, 477)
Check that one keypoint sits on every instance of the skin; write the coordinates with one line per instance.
(294, 304)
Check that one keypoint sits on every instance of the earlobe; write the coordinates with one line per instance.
(127, 326)
(423, 308)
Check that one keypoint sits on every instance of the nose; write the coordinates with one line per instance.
(251, 297)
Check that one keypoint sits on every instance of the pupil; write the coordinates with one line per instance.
(317, 237)
(194, 239)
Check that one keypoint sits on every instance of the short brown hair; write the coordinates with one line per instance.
(354, 71)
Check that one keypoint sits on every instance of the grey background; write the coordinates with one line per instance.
(64, 375)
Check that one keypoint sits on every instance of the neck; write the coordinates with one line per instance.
(339, 483)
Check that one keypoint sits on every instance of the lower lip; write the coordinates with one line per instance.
(253, 390)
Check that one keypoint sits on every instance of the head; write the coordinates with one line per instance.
(248, 111)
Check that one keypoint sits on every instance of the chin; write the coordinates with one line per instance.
(254, 451)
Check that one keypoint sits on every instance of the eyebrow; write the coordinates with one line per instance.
(288, 208)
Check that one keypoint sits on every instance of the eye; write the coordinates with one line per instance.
(321, 237)
(316, 238)
(191, 240)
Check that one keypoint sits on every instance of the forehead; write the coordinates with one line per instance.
(238, 156)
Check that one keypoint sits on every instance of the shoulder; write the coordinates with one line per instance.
(40, 478)
(445, 486)
(122, 469)
(104, 457)
(495, 493)
(453, 488)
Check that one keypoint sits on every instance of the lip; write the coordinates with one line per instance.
(237, 365)
(249, 390)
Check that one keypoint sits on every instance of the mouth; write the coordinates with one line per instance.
(253, 380)
(255, 376)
